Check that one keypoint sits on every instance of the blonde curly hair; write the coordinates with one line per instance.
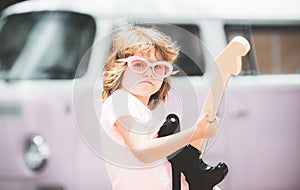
(125, 43)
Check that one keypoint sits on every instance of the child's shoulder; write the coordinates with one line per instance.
(116, 96)
(124, 103)
(120, 98)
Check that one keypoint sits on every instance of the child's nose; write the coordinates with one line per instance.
(149, 72)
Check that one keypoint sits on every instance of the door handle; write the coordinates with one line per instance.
(239, 113)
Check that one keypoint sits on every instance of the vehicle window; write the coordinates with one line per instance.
(44, 45)
(190, 60)
(275, 49)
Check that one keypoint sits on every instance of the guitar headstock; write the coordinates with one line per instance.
(229, 62)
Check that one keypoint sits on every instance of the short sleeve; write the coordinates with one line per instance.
(122, 103)
(119, 104)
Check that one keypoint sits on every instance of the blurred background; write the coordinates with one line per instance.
(51, 61)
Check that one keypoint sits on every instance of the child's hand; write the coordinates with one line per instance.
(214, 125)
(205, 128)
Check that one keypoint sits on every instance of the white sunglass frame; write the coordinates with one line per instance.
(149, 64)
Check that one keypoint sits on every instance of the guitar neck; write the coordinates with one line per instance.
(211, 104)
(227, 63)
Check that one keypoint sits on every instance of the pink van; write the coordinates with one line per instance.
(51, 57)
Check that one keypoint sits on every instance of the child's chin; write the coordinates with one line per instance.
(144, 91)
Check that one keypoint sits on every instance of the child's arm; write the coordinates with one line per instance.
(150, 150)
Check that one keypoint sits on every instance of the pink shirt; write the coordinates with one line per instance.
(125, 171)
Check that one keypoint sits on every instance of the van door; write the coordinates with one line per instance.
(262, 122)
(39, 55)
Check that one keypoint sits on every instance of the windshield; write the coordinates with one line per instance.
(44, 45)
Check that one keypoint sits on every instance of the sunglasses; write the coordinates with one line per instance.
(137, 64)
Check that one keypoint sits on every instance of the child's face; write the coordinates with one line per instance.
(142, 84)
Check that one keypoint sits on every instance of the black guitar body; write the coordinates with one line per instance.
(198, 174)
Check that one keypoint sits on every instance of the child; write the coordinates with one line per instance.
(136, 81)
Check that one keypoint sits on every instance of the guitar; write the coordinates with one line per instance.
(188, 160)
